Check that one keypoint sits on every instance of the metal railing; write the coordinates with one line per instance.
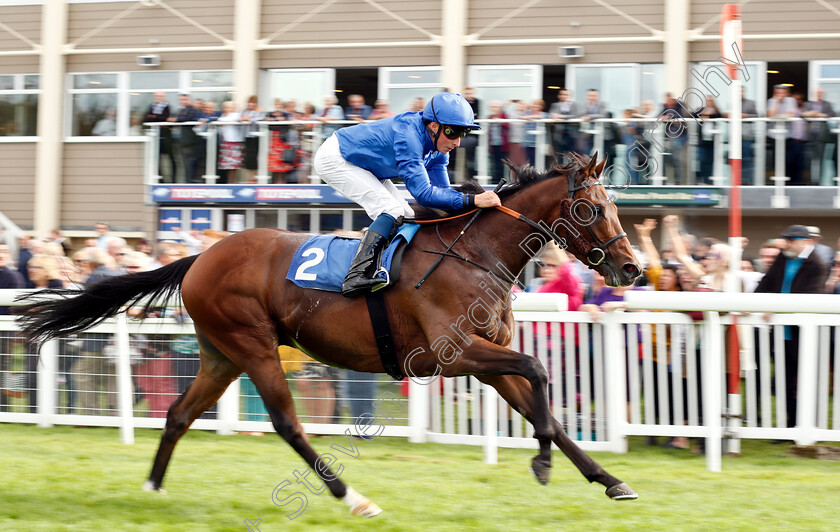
(683, 159)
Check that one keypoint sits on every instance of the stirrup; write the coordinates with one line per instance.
(387, 282)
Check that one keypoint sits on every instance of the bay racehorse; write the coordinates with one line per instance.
(243, 308)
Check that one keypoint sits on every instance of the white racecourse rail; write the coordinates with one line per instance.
(628, 373)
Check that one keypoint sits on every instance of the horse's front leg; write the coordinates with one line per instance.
(482, 357)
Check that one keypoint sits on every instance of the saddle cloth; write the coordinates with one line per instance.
(322, 262)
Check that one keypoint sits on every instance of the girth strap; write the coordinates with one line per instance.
(382, 333)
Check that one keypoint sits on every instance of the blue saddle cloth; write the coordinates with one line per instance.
(322, 262)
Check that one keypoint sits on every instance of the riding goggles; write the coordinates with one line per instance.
(454, 132)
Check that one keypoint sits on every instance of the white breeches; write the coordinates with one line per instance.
(357, 184)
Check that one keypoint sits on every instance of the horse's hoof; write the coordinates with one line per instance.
(541, 469)
(360, 505)
(150, 487)
(621, 492)
(366, 509)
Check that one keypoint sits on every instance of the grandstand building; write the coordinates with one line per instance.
(65, 63)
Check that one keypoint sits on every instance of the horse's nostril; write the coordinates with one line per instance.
(630, 269)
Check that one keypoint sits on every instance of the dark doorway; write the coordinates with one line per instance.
(554, 77)
(792, 72)
(364, 81)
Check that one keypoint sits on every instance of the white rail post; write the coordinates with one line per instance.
(539, 150)
(717, 177)
(490, 403)
(263, 177)
(46, 383)
(211, 174)
(616, 394)
(228, 412)
(712, 405)
(418, 410)
(806, 385)
(779, 200)
(125, 392)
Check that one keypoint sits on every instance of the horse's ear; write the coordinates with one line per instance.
(600, 167)
(591, 166)
(512, 169)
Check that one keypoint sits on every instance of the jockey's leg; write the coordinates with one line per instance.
(376, 197)
(362, 274)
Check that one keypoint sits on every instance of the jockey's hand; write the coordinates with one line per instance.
(487, 199)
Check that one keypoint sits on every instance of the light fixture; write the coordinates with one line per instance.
(338, 90)
(553, 87)
(95, 82)
(772, 71)
(648, 73)
(198, 81)
(414, 77)
(787, 84)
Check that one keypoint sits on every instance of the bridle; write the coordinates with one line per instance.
(596, 254)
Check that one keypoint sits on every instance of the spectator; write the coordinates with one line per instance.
(531, 129)
(208, 114)
(470, 142)
(707, 140)
(832, 285)
(676, 137)
(27, 247)
(781, 105)
(564, 133)
(107, 126)
(331, 112)
(231, 143)
(186, 137)
(9, 277)
(796, 270)
(516, 139)
(58, 238)
(748, 110)
(560, 276)
(143, 246)
(251, 115)
(497, 135)
(819, 135)
(160, 111)
(380, 110)
(191, 239)
(93, 370)
(282, 154)
(795, 146)
(825, 253)
(167, 253)
(356, 108)
(767, 255)
(417, 105)
(592, 110)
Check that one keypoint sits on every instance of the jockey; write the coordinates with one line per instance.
(359, 162)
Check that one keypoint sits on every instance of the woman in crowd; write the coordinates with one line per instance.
(281, 156)
(231, 143)
(251, 115)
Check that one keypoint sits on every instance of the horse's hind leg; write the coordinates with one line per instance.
(517, 392)
(271, 382)
(214, 376)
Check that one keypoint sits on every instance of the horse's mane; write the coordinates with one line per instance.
(520, 177)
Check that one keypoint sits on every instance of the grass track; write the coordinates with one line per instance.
(83, 479)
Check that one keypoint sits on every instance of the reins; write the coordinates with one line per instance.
(595, 254)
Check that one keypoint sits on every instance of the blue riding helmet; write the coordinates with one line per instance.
(450, 109)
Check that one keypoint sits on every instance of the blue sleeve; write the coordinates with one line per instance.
(408, 154)
(438, 173)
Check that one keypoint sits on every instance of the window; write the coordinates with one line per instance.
(304, 85)
(114, 104)
(19, 105)
(401, 86)
(618, 85)
(504, 83)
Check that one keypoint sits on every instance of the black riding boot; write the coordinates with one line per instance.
(365, 264)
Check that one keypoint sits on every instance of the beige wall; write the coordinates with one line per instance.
(104, 181)
(25, 20)
(150, 22)
(218, 60)
(17, 181)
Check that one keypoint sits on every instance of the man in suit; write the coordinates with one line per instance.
(797, 270)
(819, 134)
(159, 111)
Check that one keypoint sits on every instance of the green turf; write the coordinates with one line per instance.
(85, 479)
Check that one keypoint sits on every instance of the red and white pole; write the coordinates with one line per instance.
(730, 31)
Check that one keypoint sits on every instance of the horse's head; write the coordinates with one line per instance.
(588, 219)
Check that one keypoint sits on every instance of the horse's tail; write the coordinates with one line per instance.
(46, 317)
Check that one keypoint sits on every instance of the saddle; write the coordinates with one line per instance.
(322, 261)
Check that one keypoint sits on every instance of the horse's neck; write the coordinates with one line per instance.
(513, 242)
